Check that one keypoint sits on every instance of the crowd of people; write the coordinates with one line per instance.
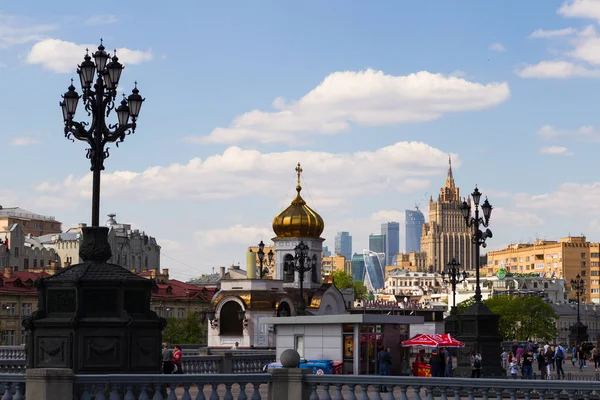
(550, 359)
(441, 364)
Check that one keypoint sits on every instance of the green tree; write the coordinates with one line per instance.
(343, 280)
(521, 318)
(189, 330)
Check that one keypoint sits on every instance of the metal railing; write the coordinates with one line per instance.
(352, 387)
(172, 387)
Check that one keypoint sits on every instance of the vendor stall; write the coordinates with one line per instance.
(420, 367)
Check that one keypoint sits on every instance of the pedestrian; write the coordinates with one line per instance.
(513, 370)
(385, 360)
(476, 365)
(448, 363)
(596, 357)
(549, 356)
(527, 365)
(559, 359)
(435, 361)
(167, 363)
(573, 355)
(235, 346)
(581, 357)
(177, 369)
(541, 360)
(504, 356)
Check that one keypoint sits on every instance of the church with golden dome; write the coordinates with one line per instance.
(298, 223)
(241, 306)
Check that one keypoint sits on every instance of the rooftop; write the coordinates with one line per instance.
(19, 213)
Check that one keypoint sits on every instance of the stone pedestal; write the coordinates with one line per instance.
(578, 334)
(451, 324)
(478, 329)
(95, 317)
(49, 383)
(287, 383)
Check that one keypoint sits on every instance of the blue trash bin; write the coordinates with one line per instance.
(318, 367)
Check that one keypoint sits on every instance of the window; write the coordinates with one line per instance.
(582, 255)
(595, 273)
(582, 273)
(595, 255)
(181, 313)
(583, 264)
(16, 252)
(520, 259)
(10, 309)
(23, 337)
(554, 255)
(26, 263)
(527, 259)
(8, 337)
(169, 312)
(35, 263)
(41, 263)
(25, 309)
(299, 345)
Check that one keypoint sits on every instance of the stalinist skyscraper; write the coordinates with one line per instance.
(446, 235)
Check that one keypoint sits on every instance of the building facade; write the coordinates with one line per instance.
(413, 228)
(22, 252)
(343, 244)
(563, 259)
(374, 270)
(377, 243)
(130, 248)
(31, 223)
(391, 232)
(333, 264)
(446, 235)
(358, 267)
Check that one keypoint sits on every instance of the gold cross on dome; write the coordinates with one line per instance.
(299, 171)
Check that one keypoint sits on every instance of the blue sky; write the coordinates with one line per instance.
(371, 99)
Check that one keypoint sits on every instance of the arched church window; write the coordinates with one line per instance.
(288, 268)
(229, 321)
(284, 310)
(314, 277)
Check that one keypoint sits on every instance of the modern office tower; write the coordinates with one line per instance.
(391, 231)
(326, 252)
(374, 276)
(413, 230)
(358, 267)
(377, 243)
(343, 244)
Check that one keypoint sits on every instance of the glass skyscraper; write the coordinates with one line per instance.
(377, 243)
(413, 230)
(358, 267)
(374, 276)
(343, 245)
(391, 231)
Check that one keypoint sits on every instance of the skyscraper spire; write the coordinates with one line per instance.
(450, 177)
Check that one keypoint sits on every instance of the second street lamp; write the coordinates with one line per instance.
(454, 277)
(301, 266)
(261, 258)
(579, 330)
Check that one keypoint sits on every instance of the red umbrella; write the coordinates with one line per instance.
(435, 340)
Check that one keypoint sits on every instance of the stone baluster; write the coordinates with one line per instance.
(338, 392)
(129, 392)
(256, 392)
(313, 392)
(364, 395)
(114, 393)
(186, 392)
(143, 392)
(242, 395)
(351, 395)
(100, 394)
(417, 392)
(377, 390)
(214, 395)
(403, 390)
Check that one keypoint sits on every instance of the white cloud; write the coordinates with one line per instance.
(587, 9)
(555, 69)
(512, 218)
(17, 30)
(389, 216)
(544, 34)
(566, 200)
(62, 56)
(24, 141)
(234, 235)
(401, 167)
(582, 134)
(368, 98)
(556, 150)
(499, 47)
(103, 19)
(168, 244)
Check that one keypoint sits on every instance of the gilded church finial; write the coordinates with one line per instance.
(299, 172)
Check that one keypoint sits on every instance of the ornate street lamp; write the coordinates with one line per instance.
(579, 330)
(454, 277)
(99, 102)
(261, 258)
(478, 237)
(302, 267)
(96, 295)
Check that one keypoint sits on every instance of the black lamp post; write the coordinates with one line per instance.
(95, 295)
(301, 266)
(478, 237)
(261, 258)
(579, 330)
(478, 326)
(454, 277)
(99, 101)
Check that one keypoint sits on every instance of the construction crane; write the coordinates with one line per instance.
(417, 205)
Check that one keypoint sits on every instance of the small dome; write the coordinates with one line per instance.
(298, 220)
(111, 220)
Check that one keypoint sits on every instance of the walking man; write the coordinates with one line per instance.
(559, 359)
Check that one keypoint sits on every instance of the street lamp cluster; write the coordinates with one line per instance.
(261, 259)
(578, 285)
(302, 267)
(478, 237)
(99, 101)
(454, 277)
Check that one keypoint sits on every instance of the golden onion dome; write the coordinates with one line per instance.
(298, 220)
